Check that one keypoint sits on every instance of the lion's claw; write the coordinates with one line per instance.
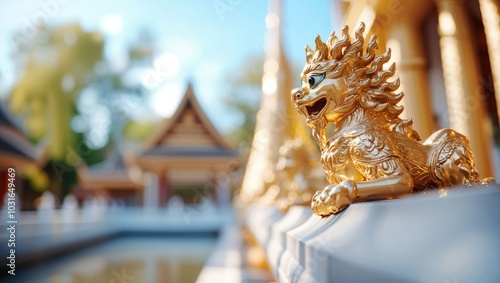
(334, 198)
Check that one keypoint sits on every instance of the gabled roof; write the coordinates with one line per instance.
(6, 122)
(14, 147)
(175, 132)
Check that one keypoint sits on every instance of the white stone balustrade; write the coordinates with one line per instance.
(447, 236)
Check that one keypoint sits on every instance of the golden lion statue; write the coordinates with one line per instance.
(297, 173)
(372, 153)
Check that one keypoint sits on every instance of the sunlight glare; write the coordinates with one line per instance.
(112, 24)
(165, 99)
(269, 84)
(271, 66)
(167, 65)
(272, 21)
(446, 23)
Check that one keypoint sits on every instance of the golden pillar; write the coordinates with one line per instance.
(490, 11)
(277, 121)
(406, 43)
(460, 70)
(396, 23)
(271, 119)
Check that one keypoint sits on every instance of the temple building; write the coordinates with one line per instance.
(111, 179)
(15, 152)
(186, 156)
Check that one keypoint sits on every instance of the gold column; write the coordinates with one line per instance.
(490, 11)
(277, 120)
(270, 124)
(406, 43)
(460, 70)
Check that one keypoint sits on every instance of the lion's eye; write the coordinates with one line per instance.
(315, 79)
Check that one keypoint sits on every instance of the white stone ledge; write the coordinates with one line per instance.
(421, 238)
(225, 263)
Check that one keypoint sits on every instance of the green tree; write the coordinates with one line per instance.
(243, 98)
(55, 65)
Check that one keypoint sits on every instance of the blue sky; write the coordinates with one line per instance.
(205, 43)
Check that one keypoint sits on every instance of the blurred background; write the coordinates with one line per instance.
(145, 110)
(85, 82)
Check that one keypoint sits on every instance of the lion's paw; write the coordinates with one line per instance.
(334, 198)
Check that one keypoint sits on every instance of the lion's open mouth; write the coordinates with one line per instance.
(316, 107)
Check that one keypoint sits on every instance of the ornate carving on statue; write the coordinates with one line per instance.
(298, 174)
(372, 152)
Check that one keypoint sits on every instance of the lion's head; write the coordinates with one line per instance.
(339, 77)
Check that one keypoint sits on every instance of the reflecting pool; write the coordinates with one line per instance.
(127, 260)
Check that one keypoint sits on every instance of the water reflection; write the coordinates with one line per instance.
(128, 260)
